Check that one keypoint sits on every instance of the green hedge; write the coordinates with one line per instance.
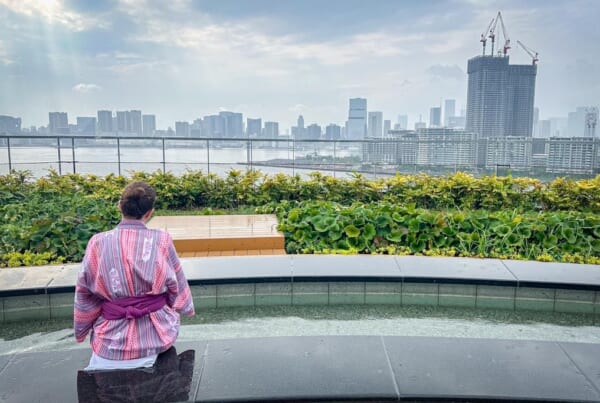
(324, 227)
(50, 219)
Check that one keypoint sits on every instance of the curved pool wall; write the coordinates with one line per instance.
(48, 292)
(333, 368)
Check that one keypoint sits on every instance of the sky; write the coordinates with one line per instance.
(276, 59)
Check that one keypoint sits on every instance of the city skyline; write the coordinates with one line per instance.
(263, 59)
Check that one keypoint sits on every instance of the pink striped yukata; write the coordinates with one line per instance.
(131, 260)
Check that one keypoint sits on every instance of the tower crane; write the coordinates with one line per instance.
(504, 35)
(532, 53)
(484, 35)
(492, 34)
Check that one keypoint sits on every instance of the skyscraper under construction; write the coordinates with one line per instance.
(500, 96)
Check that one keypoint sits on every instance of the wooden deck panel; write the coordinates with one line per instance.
(222, 235)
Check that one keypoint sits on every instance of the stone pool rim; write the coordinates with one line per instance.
(47, 292)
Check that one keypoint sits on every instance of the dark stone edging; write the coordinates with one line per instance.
(338, 368)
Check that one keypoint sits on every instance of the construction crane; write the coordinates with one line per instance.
(492, 33)
(504, 35)
(532, 53)
(483, 39)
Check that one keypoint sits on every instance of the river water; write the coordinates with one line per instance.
(178, 158)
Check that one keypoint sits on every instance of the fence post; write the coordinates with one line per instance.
(119, 155)
(293, 157)
(73, 154)
(59, 157)
(208, 156)
(9, 156)
(164, 162)
(334, 160)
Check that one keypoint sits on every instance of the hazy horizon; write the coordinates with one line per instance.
(277, 59)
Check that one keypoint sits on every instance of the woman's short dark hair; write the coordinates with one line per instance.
(137, 199)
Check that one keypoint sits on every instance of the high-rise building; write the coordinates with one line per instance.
(212, 126)
(86, 125)
(500, 97)
(333, 132)
(375, 126)
(402, 122)
(313, 132)
(58, 123)
(449, 111)
(182, 129)
(435, 117)
(10, 125)
(105, 121)
(233, 124)
(298, 131)
(387, 126)
(135, 122)
(356, 126)
(148, 125)
(544, 129)
(271, 130)
(122, 122)
(253, 127)
(580, 121)
(591, 120)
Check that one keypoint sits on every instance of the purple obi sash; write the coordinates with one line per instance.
(133, 307)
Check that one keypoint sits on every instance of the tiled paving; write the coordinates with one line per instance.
(223, 235)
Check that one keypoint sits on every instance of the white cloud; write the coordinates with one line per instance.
(83, 88)
(53, 11)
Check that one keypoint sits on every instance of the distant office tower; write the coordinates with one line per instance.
(196, 128)
(298, 131)
(591, 120)
(182, 129)
(579, 121)
(212, 126)
(435, 117)
(86, 125)
(271, 130)
(357, 119)
(402, 122)
(148, 125)
(135, 122)
(333, 132)
(387, 126)
(449, 111)
(500, 97)
(58, 123)
(375, 127)
(122, 120)
(254, 127)
(10, 125)
(544, 129)
(105, 121)
(313, 132)
(233, 124)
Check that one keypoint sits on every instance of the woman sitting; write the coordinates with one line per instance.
(130, 288)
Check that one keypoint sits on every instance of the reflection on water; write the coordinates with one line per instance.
(169, 380)
(224, 323)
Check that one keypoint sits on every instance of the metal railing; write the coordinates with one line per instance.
(386, 156)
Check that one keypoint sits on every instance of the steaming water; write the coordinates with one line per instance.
(347, 320)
